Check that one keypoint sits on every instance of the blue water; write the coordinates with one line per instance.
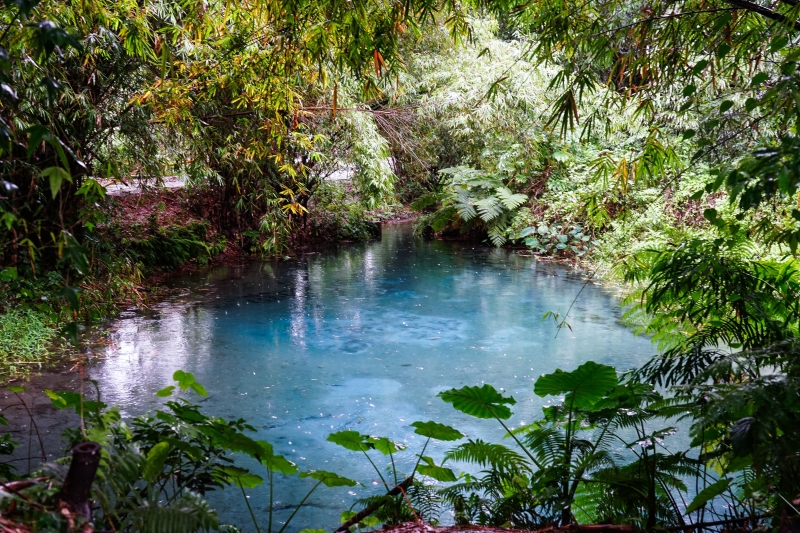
(361, 337)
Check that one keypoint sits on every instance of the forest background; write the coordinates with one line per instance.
(654, 143)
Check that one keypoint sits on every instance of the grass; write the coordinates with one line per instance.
(24, 339)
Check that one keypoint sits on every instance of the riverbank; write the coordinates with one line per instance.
(144, 237)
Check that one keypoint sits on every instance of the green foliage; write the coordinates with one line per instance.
(701, 294)
(481, 402)
(335, 216)
(557, 239)
(475, 199)
(24, 341)
(173, 246)
(434, 430)
(156, 469)
(570, 458)
(417, 499)
(583, 387)
(7, 446)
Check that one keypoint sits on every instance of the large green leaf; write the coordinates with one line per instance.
(480, 402)
(154, 463)
(583, 386)
(276, 463)
(385, 445)
(440, 473)
(434, 430)
(241, 477)
(329, 479)
(234, 441)
(708, 494)
(352, 440)
(166, 391)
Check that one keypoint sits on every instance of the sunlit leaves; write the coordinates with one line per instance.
(186, 381)
(385, 445)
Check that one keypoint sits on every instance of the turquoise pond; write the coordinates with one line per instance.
(361, 337)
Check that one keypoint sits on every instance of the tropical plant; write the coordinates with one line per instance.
(473, 200)
(567, 466)
(557, 238)
(154, 472)
(417, 500)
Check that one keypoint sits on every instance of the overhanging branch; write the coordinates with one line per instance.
(761, 10)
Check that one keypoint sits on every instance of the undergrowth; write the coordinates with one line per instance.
(24, 340)
(335, 217)
(172, 246)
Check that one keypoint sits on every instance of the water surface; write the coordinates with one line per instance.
(362, 337)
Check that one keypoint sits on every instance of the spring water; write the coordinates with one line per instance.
(361, 337)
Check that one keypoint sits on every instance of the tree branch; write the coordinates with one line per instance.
(763, 11)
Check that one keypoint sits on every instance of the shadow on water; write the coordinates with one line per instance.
(362, 337)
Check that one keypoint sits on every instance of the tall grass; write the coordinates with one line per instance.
(24, 336)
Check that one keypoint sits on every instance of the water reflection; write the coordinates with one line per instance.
(362, 337)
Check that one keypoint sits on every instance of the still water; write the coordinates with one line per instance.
(362, 337)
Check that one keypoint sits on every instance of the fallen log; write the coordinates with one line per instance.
(702, 525)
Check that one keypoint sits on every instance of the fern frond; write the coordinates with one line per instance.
(188, 514)
(510, 200)
(547, 443)
(489, 208)
(497, 456)
(497, 234)
(427, 501)
(464, 205)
